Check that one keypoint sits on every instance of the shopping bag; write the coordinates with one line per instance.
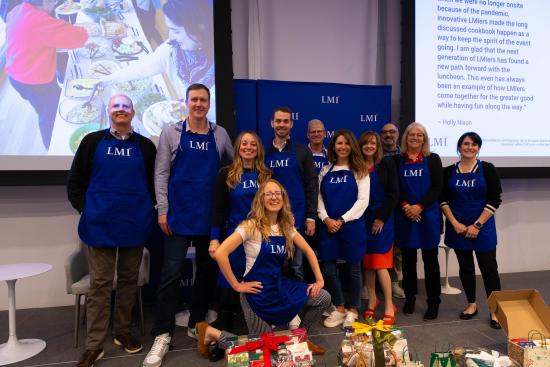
(443, 357)
(410, 361)
(537, 356)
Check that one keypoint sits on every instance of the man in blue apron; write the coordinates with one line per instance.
(292, 165)
(316, 135)
(189, 156)
(111, 185)
(389, 135)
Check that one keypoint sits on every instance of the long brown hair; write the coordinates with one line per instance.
(356, 162)
(258, 221)
(365, 138)
(236, 168)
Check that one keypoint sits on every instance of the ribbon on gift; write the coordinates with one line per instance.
(267, 344)
(360, 328)
(493, 358)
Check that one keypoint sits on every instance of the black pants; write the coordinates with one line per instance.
(169, 293)
(432, 279)
(487, 262)
(44, 98)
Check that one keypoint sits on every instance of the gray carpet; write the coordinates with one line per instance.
(54, 325)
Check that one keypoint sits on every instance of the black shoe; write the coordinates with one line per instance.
(216, 354)
(467, 316)
(431, 312)
(494, 324)
(89, 357)
(128, 343)
(408, 308)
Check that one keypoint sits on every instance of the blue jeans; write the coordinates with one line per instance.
(169, 293)
(334, 287)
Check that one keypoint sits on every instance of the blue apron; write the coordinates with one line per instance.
(281, 298)
(414, 183)
(240, 202)
(192, 177)
(119, 211)
(467, 199)
(382, 242)
(339, 191)
(286, 170)
(320, 160)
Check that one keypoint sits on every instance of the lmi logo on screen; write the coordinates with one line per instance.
(438, 142)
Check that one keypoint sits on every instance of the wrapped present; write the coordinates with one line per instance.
(295, 335)
(266, 344)
(481, 357)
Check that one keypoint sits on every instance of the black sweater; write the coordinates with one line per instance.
(81, 169)
(387, 174)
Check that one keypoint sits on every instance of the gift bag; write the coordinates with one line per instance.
(538, 356)
(443, 357)
(410, 361)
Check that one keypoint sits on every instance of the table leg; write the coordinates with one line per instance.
(447, 288)
(17, 350)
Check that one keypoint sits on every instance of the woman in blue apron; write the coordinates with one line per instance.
(234, 191)
(418, 219)
(379, 222)
(343, 198)
(269, 239)
(470, 197)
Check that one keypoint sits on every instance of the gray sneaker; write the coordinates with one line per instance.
(397, 291)
(158, 351)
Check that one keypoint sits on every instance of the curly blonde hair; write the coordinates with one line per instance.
(258, 221)
(236, 168)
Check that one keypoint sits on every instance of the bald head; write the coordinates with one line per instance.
(121, 112)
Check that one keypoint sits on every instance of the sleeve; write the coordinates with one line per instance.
(321, 211)
(79, 174)
(149, 153)
(163, 163)
(494, 189)
(436, 176)
(358, 208)
(311, 182)
(227, 148)
(445, 193)
(241, 230)
(58, 33)
(147, 66)
(220, 204)
(391, 189)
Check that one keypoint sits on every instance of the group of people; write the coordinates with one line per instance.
(254, 214)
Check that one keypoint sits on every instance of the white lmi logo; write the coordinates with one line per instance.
(198, 145)
(466, 183)
(278, 249)
(125, 152)
(413, 172)
(278, 163)
(338, 180)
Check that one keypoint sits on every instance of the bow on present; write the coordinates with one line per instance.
(360, 328)
(494, 358)
(267, 344)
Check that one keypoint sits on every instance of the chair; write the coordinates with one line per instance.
(78, 283)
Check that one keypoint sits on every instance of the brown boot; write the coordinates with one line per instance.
(315, 349)
(202, 347)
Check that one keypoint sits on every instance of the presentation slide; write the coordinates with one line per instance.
(61, 61)
(482, 65)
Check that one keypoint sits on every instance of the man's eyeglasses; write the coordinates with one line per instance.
(388, 132)
(272, 194)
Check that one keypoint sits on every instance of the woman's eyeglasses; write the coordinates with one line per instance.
(272, 194)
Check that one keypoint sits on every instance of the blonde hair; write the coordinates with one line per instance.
(425, 146)
(356, 162)
(236, 168)
(365, 138)
(258, 221)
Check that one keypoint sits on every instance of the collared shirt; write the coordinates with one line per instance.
(416, 159)
(120, 136)
(388, 153)
(282, 147)
(323, 152)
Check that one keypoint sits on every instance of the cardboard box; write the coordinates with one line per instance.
(519, 312)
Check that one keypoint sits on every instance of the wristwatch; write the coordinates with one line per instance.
(478, 225)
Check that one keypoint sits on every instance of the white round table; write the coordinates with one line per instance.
(18, 350)
(447, 288)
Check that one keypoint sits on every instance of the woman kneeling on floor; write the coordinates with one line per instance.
(268, 298)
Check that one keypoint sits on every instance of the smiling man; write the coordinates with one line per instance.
(292, 165)
(111, 185)
(190, 154)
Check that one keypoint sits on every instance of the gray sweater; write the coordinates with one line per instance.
(166, 153)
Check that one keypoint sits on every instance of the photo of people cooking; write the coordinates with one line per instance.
(61, 61)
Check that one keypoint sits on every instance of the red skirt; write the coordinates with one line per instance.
(378, 261)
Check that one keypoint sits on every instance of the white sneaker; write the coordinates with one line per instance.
(192, 333)
(329, 310)
(334, 319)
(350, 318)
(397, 291)
(295, 322)
(158, 351)
(364, 292)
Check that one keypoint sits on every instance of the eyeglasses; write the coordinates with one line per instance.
(388, 132)
(316, 132)
(272, 194)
